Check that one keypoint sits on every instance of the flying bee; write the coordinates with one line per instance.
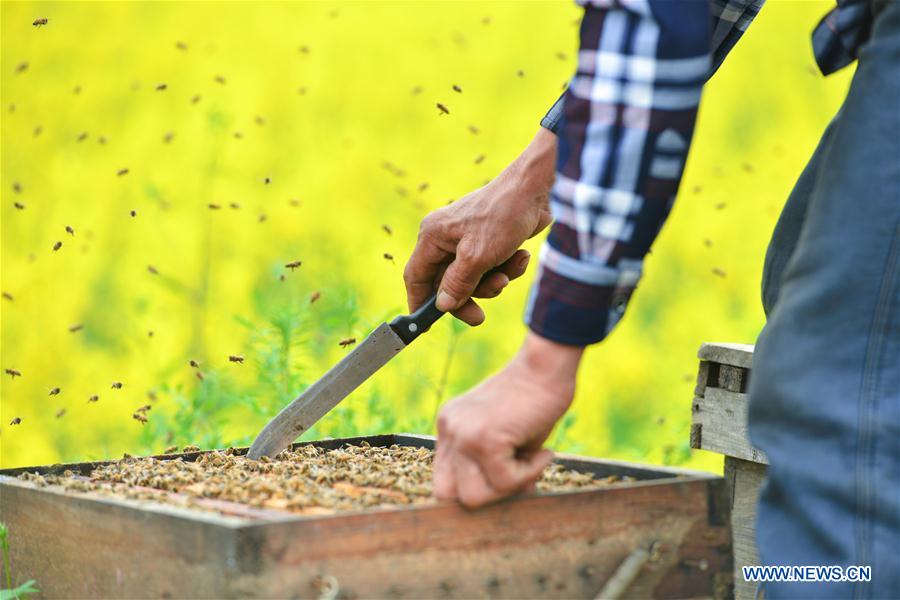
(234, 205)
(267, 180)
(57, 246)
(719, 272)
(417, 90)
(16, 421)
(214, 206)
(707, 242)
(101, 140)
(132, 212)
(443, 109)
(195, 99)
(144, 408)
(17, 187)
(347, 342)
(479, 159)
(262, 218)
(152, 270)
(423, 186)
(387, 229)
(139, 417)
(520, 73)
(238, 135)
(76, 327)
(457, 89)
(55, 391)
(168, 137)
(61, 413)
(561, 55)
(473, 130)
(8, 296)
(181, 45)
(199, 375)
(13, 373)
(294, 202)
(76, 90)
(121, 172)
(171, 450)
(94, 398)
(293, 265)
(69, 230)
(236, 358)
(22, 66)
(150, 333)
(314, 296)
(219, 79)
(19, 205)
(304, 49)
(37, 130)
(194, 364)
(117, 385)
(301, 90)
(82, 136)
(259, 120)
(388, 256)
(40, 21)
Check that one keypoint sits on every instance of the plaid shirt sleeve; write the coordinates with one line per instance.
(625, 126)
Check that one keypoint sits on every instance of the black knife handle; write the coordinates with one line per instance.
(409, 327)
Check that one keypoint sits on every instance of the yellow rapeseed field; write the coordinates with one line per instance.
(258, 134)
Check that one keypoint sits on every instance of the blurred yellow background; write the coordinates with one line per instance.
(334, 103)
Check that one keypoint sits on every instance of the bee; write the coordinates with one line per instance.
(304, 49)
(161, 86)
(57, 246)
(76, 328)
(747, 167)
(76, 90)
(260, 120)
(19, 205)
(457, 89)
(520, 73)
(719, 272)
(238, 135)
(132, 212)
(416, 90)
(195, 99)
(214, 206)
(314, 296)
(144, 408)
(561, 55)
(94, 398)
(707, 242)
(121, 172)
(479, 159)
(168, 137)
(40, 21)
(82, 136)
(191, 448)
(443, 109)
(152, 270)
(267, 180)
(69, 230)
(423, 186)
(61, 413)
(219, 79)
(473, 130)
(293, 265)
(721, 205)
(181, 45)
(294, 202)
(117, 385)
(387, 229)
(199, 375)
(262, 218)
(236, 358)
(347, 342)
(282, 277)
(171, 450)
(22, 66)
(17, 187)
(101, 140)
(37, 130)
(8, 296)
(194, 364)
(13, 373)
(152, 395)
(388, 256)
(301, 90)
(16, 421)
(139, 417)
(234, 205)
(55, 391)
(486, 21)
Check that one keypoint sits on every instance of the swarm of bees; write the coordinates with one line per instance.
(306, 480)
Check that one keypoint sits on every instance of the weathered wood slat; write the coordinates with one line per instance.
(745, 478)
(736, 355)
(719, 419)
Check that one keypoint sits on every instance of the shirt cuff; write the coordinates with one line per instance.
(553, 117)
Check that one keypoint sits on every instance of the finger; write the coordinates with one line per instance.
(473, 489)
(491, 285)
(443, 483)
(470, 313)
(509, 474)
(460, 279)
(421, 271)
(516, 265)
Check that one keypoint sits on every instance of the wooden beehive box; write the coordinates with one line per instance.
(719, 424)
(556, 545)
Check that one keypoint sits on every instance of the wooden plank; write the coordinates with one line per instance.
(733, 379)
(736, 355)
(703, 377)
(745, 479)
(722, 420)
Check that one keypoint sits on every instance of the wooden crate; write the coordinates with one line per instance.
(719, 424)
(559, 545)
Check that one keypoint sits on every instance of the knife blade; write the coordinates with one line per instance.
(379, 347)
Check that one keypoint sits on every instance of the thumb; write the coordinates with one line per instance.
(459, 281)
(530, 467)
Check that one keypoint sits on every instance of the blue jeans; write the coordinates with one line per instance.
(825, 389)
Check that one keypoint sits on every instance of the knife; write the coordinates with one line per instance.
(371, 354)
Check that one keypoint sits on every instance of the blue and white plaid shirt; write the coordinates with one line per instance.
(624, 126)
